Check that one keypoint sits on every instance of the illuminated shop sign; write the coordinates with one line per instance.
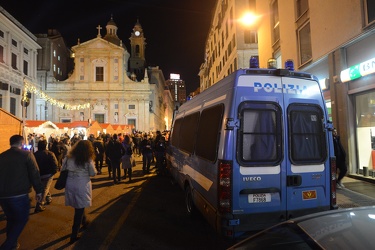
(358, 70)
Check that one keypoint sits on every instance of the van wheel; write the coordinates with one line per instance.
(190, 207)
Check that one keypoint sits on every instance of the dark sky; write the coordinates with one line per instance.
(175, 30)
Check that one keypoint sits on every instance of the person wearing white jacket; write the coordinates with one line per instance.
(78, 189)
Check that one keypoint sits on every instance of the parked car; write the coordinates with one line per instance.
(351, 228)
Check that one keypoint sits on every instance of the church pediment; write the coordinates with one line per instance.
(97, 43)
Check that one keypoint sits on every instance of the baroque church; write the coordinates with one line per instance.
(110, 85)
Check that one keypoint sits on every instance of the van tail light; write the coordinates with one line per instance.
(333, 183)
(225, 186)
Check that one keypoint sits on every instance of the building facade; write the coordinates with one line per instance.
(230, 41)
(53, 64)
(18, 61)
(102, 86)
(339, 50)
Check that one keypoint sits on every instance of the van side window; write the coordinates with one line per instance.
(209, 132)
(307, 137)
(176, 132)
(260, 134)
(188, 132)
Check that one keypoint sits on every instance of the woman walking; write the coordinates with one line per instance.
(78, 190)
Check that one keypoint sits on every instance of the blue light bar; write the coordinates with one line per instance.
(254, 62)
(289, 64)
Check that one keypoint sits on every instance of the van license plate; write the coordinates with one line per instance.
(259, 198)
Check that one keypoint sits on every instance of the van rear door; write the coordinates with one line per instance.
(259, 171)
(308, 169)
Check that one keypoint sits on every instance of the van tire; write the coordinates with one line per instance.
(190, 207)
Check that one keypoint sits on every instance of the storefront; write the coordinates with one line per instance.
(361, 80)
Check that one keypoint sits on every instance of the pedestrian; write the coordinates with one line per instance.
(146, 150)
(18, 173)
(78, 189)
(340, 158)
(48, 166)
(115, 152)
(99, 153)
(107, 141)
(57, 148)
(160, 149)
(127, 158)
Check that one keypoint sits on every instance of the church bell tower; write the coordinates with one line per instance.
(137, 61)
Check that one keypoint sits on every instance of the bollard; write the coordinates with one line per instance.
(365, 171)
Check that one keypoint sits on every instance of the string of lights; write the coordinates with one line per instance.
(30, 87)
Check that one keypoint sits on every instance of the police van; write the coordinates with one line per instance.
(255, 149)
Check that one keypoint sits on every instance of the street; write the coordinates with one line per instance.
(148, 213)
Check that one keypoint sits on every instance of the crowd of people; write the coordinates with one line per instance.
(36, 165)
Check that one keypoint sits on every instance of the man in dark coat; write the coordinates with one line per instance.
(340, 158)
(115, 151)
(99, 154)
(48, 166)
(18, 173)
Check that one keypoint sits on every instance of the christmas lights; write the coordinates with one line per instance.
(29, 87)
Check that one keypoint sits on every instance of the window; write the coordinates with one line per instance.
(116, 105)
(275, 22)
(99, 74)
(131, 106)
(302, 7)
(208, 133)
(260, 136)
(188, 132)
(1, 101)
(1, 53)
(304, 42)
(12, 109)
(132, 122)
(99, 118)
(1, 33)
(14, 61)
(176, 132)
(370, 9)
(14, 43)
(251, 36)
(307, 137)
(25, 67)
(26, 51)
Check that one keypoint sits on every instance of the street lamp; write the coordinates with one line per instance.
(249, 19)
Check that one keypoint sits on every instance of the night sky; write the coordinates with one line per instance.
(175, 30)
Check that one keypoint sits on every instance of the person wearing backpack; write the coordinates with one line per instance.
(127, 158)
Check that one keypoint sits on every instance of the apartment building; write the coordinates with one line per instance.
(18, 61)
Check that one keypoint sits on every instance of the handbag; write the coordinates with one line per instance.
(61, 181)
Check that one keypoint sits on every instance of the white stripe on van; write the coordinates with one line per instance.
(193, 110)
(260, 170)
(220, 98)
(198, 177)
(307, 168)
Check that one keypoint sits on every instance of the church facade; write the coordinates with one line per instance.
(110, 85)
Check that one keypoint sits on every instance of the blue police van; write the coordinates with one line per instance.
(254, 149)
